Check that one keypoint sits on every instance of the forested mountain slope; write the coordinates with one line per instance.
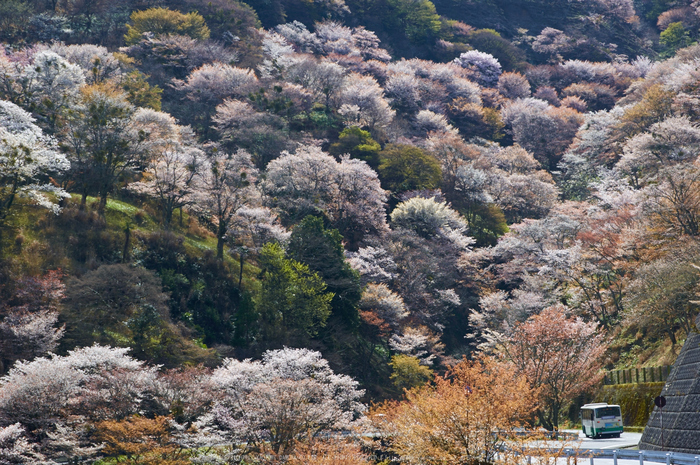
(298, 184)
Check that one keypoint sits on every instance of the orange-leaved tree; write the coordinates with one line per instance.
(464, 417)
(140, 441)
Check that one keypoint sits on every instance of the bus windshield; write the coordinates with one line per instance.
(607, 412)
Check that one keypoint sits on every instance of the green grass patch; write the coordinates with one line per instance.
(117, 205)
(201, 243)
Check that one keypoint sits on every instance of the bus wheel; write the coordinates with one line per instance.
(617, 435)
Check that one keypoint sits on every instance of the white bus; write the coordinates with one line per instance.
(601, 419)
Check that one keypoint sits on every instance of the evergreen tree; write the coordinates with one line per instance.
(293, 302)
(322, 250)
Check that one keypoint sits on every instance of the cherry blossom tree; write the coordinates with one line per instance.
(225, 184)
(452, 152)
(174, 161)
(513, 85)
(553, 43)
(14, 83)
(302, 181)
(484, 68)
(418, 342)
(427, 277)
(362, 103)
(578, 253)
(349, 192)
(169, 180)
(262, 134)
(430, 219)
(522, 196)
(289, 397)
(383, 303)
(359, 207)
(212, 83)
(298, 34)
(54, 85)
(250, 229)
(15, 449)
(593, 146)
(90, 383)
(278, 55)
(427, 121)
(332, 38)
(323, 78)
(543, 130)
(403, 91)
(374, 264)
(669, 142)
(28, 325)
(97, 63)
(27, 159)
(256, 226)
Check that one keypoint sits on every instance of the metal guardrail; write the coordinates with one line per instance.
(669, 458)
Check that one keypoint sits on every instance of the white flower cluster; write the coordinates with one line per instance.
(27, 159)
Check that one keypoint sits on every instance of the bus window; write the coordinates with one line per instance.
(607, 412)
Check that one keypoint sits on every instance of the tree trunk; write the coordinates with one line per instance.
(220, 234)
(240, 273)
(672, 337)
(127, 243)
(103, 204)
(83, 200)
(168, 217)
(544, 420)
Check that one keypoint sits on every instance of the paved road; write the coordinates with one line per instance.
(626, 440)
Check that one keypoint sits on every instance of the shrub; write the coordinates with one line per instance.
(674, 37)
(162, 21)
(407, 372)
(358, 144)
(405, 167)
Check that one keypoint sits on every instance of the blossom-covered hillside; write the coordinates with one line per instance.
(227, 228)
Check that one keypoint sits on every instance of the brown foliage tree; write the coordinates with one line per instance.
(560, 355)
(140, 441)
(463, 418)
